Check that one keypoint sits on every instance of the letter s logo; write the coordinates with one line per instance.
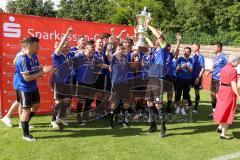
(11, 29)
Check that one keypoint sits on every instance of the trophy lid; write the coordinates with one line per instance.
(144, 12)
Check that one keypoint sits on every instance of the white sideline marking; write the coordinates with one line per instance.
(228, 157)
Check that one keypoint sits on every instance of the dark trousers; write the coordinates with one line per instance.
(183, 87)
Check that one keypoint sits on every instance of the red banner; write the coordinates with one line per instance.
(49, 30)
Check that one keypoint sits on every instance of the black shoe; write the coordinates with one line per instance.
(163, 132)
(29, 138)
(219, 130)
(110, 125)
(225, 138)
(110, 121)
(153, 128)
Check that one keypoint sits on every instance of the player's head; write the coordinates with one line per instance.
(90, 48)
(31, 45)
(105, 38)
(120, 49)
(81, 41)
(218, 47)
(66, 47)
(128, 43)
(196, 47)
(116, 41)
(168, 47)
(99, 44)
(187, 52)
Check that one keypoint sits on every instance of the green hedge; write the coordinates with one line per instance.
(229, 38)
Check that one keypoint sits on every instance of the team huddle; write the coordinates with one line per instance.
(112, 67)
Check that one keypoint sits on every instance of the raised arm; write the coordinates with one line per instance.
(121, 33)
(112, 32)
(150, 43)
(179, 39)
(156, 33)
(59, 48)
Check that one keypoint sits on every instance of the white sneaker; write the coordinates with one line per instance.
(177, 110)
(194, 111)
(65, 123)
(20, 126)
(7, 121)
(183, 111)
(82, 124)
(55, 125)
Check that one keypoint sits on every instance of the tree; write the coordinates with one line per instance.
(11, 7)
(87, 10)
(228, 17)
(31, 7)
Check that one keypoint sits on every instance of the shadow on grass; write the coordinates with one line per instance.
(96, 132)
(203, 112)
(74, 131)
(92, 129)
(204, 129)
(236, 135)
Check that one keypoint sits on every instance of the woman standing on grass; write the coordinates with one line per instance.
(227, 96)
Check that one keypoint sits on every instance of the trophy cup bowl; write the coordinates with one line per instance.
(141, 29)
(140, 23)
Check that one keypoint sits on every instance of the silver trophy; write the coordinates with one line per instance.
(141, 27)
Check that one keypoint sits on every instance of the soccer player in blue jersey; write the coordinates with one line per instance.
(136, 74)
(103, 81)
(28, 70)
(157, 70)
(7, 118)
(183, 83)
(62, 98)
(175, 75)
(80, 48)
(168, 78)
(85, 75)
(219, 61)
(120, 89)
(198, 70)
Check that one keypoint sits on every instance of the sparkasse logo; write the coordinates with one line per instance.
(11, 29)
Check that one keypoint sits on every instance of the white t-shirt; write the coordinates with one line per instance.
(238, 69)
